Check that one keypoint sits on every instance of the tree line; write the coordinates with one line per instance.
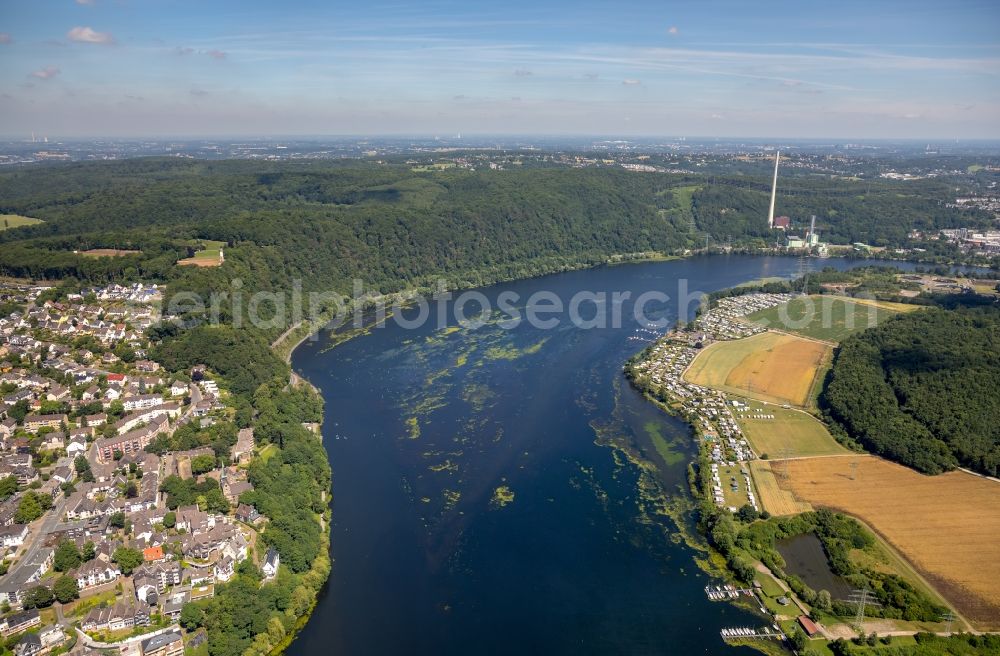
(920, 389)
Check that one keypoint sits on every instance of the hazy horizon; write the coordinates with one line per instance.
(763, 140)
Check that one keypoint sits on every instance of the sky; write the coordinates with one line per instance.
(845, 69)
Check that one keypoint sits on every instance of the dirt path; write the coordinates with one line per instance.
(285, 334)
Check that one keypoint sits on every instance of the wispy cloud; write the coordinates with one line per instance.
(88, 35)
(86, 3)
(457, 71)
(5, 38)
(46, 73)
(829, 69)
(185, 50)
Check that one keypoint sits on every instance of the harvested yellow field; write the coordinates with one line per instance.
(769, 366)
(888, 305)
(946, 526)
(773, 498)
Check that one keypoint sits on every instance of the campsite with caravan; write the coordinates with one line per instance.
(751, 375)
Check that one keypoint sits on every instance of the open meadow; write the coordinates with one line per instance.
(825, 317)
(946, 526)
(10, 221)
(210, 255)
(779, 432)
(769, 366)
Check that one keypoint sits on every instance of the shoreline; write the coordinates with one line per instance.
(285, 351)
(666, 399)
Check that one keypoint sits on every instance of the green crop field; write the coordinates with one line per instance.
(829, 318)
(8, 221)
(790, 434)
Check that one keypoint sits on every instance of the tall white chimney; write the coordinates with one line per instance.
(774, 191)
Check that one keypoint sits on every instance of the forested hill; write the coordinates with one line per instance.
(328, 221)
(921, 389)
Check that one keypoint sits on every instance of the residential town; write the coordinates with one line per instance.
(709, 410)
(120, 483)
(979, 242)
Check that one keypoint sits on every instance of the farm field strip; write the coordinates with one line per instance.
(108, 252)
(946, 525)
(888, 305)
(825, 317)
(773, 498)
(779, 432)
(769, 366)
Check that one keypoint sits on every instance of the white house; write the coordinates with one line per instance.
(141, 402)
(224, 569)
(96, 572)
(13, 535)
(271, 562)
(76, 448)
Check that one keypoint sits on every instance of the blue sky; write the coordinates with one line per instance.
(737, 68)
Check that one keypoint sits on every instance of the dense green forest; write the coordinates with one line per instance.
(921, 389)
(327, 222)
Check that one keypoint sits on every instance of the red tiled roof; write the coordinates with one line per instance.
(808, 625)
(152, 553)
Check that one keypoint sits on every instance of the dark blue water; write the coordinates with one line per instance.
(423, 426)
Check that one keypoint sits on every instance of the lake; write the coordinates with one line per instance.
(805, 558)
(486, 498)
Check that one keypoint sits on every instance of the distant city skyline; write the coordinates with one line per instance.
(864, 70)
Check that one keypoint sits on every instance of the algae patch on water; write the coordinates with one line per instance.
(447, 465)
(662, 446)
(478, 396)
(512, 352)
(412, 428)
(451, 498)
(463, 358)
(502, 496)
